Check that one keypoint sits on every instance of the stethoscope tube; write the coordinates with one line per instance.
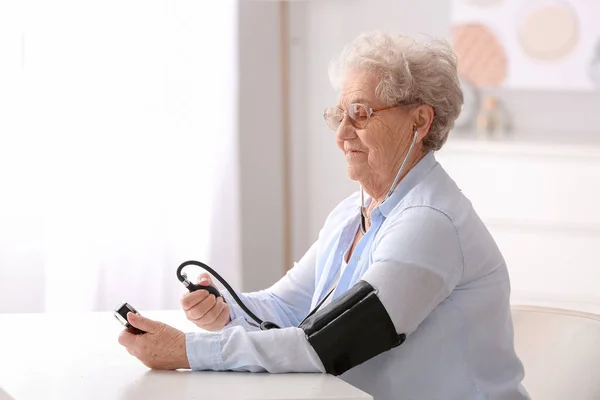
(363, 223)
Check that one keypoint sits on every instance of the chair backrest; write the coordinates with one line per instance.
(560, 350)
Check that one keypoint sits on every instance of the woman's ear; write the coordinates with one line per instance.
(423, 118)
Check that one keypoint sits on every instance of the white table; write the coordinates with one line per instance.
(57, 356)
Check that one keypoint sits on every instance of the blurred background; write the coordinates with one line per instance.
(135, 135)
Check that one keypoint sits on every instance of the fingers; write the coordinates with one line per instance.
(127, 339)
(190, 300)
(222, 319)
(201, 309)
(212, 314)
(204, 279)
(143, 323)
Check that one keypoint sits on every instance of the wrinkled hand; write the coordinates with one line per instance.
(203, 309)
(161, 347)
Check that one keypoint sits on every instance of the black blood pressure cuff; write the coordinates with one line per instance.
(352, 329)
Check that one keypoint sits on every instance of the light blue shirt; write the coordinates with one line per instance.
(439, 275)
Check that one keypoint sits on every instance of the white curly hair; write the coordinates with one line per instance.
(410, 72)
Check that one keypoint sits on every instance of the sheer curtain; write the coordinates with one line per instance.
(112, 115)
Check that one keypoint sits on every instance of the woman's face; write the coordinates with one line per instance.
(374, 153)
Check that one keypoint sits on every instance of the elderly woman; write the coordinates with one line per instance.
(404, 293)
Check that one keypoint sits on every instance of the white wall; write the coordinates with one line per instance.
(260, 141)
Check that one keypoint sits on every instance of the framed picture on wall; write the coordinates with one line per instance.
(528, 45)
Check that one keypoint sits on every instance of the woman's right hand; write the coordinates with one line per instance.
(203, 309)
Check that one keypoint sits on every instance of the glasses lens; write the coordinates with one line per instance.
(333, 118)
(358, 114)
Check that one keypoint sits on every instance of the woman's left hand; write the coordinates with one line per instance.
(161, 347)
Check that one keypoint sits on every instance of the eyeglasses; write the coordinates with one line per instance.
(359, 115)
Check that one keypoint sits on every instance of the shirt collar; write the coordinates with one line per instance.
(410, 180)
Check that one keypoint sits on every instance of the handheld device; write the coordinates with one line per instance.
(121, 316)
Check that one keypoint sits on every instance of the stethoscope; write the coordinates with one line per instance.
(266, 325)
(363, 226)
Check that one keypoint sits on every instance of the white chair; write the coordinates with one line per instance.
(560, 350)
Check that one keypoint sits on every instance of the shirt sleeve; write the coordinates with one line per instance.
(417, 263)
(235, 349)
(286, 303)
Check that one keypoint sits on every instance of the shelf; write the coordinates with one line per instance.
(551, 144)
